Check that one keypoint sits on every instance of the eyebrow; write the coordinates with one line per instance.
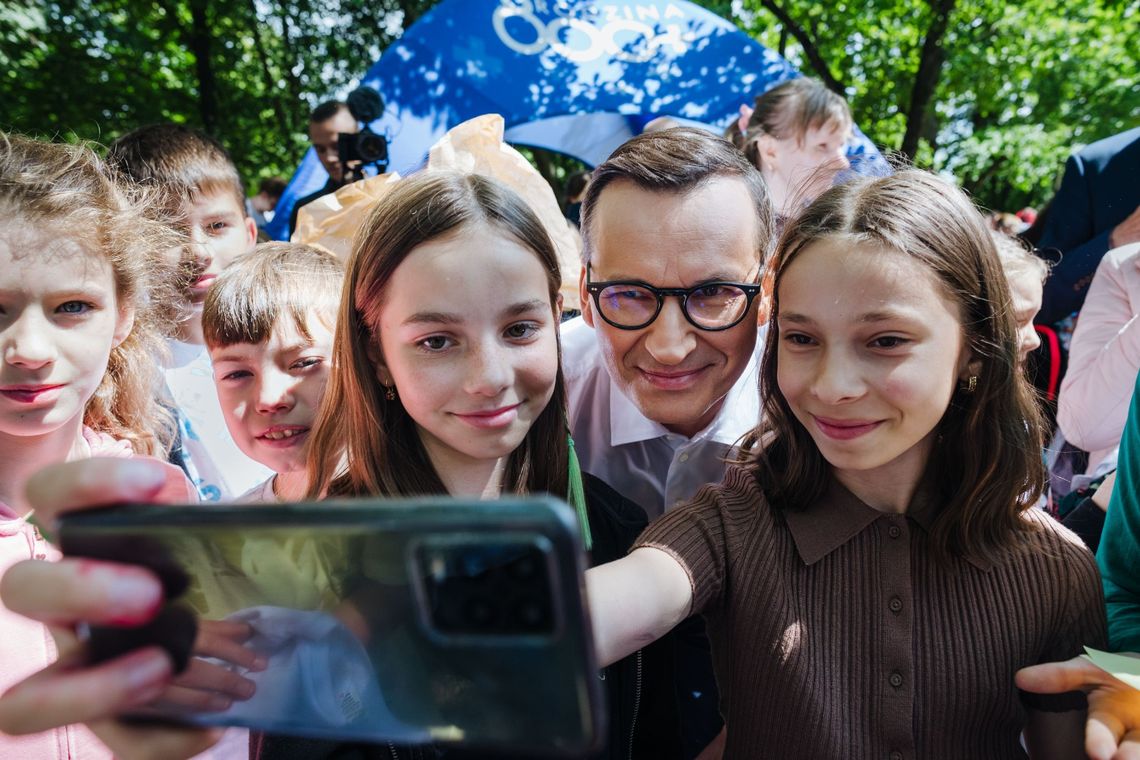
(868, 317)
(238, 358)
(444, 318)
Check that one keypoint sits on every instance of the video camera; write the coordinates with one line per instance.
(363, 148)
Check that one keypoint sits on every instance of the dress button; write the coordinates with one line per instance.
(896, 755)
(894, 531)
(896, 679)
(684, 457)
(895, 604)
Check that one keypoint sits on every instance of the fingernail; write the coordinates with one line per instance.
(261, 662)
(132, 597)
(247, 689)
(148, 671)
(218, 703)
(141, 475)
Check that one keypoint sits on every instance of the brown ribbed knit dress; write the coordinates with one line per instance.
(835, 634)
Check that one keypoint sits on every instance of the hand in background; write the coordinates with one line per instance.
(1113, 728)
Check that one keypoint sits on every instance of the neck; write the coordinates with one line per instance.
(690, 428)
(290, 486)
(778, 191)
(466, 476)
(23, 456)
(890, 487)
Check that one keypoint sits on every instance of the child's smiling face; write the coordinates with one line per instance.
(59, 321)
(270, 392)
(469, 339)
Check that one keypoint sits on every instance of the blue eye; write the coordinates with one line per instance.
(74, 308)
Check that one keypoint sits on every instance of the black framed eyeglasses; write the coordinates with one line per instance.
(633, 305)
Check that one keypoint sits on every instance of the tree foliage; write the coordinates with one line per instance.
(1019, 84)
(996, 93)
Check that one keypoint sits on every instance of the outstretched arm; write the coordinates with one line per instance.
(636, 600)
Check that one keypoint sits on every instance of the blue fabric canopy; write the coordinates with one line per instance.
(579, 77)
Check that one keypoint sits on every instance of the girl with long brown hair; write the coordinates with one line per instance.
(872, 571)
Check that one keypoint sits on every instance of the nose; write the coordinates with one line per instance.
(200, 249)
(837, 378)
(488, 370)
(275, 392)
(27, 342)
(670, 338)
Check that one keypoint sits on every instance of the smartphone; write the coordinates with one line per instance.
(449, 621)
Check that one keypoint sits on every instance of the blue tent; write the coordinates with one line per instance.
(578, 77)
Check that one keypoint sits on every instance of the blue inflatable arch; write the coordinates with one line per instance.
(579, 77)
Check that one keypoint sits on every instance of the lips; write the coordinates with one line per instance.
(672, 380)
(30, 394)
(490, 418)
(845, 430)
(203, 282)
(283, 436)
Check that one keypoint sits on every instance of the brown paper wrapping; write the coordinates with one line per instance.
(475, 146)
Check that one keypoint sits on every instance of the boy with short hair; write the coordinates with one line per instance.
(201, 194)
(268, 323)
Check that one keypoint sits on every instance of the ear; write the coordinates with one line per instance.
(970, 366)
(558, 304)
(768, 289)
(376, 356)
(584, 298)
(769, 151)
(123, 325)
(250, 233)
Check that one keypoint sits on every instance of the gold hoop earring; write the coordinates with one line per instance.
(972, 384)
(390, 392)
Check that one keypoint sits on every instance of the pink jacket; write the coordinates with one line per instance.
(1104, 357)
(26, 646)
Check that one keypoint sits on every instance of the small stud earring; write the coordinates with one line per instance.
(390, 392)
(972, 384)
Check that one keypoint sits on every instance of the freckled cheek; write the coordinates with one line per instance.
(536, 371)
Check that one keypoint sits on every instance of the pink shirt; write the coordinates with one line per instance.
(1104, 357)
(27, 646)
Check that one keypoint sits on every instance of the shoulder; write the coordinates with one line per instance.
(1104, 150)
(1121, 258)
(1056, 545)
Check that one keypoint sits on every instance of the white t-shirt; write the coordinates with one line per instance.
(217, 467)
(640, 458)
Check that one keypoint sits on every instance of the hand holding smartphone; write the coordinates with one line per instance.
(426, 620)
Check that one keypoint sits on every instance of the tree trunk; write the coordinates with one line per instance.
(272, 91)
(199, 41)
(926, 79)
(818, 65)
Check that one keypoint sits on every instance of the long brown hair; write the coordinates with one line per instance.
(987, 466)
(364, 444)
(68, 189)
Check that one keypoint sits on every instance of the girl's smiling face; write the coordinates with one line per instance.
(870, 351)
(469, 339)
(59, 320)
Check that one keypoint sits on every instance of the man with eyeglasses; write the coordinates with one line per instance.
(675, 225)
(674, 228)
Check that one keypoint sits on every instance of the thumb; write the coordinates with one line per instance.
(1058, 677)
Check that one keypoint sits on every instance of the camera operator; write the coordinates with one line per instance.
(326, 123)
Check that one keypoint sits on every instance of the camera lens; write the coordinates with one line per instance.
(479, 612)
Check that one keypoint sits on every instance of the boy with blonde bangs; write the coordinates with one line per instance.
(268, 323)
(202, 196)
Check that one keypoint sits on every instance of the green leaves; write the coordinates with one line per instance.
(1021, 86)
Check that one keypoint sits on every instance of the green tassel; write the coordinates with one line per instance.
(576, 495)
